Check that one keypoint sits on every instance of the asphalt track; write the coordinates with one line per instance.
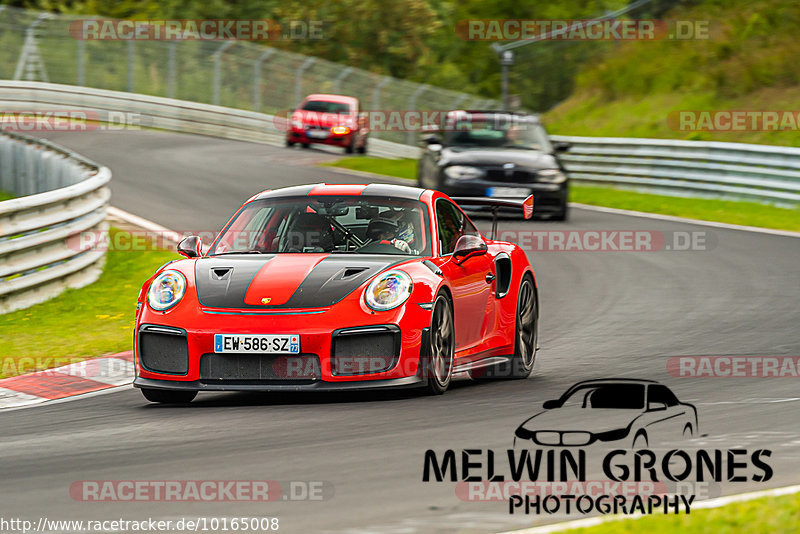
(603, 314)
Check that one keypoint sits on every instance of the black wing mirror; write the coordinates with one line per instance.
(468, 246)
(561, 146)
(549, 405)
(191, 247)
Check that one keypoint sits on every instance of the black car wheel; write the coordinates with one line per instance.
(526, 338)
(363, 148)
(439, 362)
(289, 143)
(167, 396)
(305, 145)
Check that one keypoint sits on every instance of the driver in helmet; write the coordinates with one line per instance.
(383, 232)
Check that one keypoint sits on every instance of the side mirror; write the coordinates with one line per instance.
(432, 139)
(468, 246)
(191, 247)
(549, 405)
(561, 146)
(656, 406)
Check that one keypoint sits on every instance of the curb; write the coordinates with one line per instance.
(87, 376)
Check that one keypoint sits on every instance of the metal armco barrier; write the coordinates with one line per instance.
(64, 194)
(692, 168)
(115, 108)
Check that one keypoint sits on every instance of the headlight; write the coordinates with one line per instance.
(463, 172)
(340, 130)
(166, 290)
(550, 176)
(388, 290)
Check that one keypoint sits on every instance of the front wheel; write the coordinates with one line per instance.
(526, 338)
(438, 367)
(168, 396)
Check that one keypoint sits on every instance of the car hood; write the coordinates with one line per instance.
(286, 280)
(574, 418)
(496, 157)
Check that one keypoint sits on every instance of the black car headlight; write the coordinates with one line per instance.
(551, 176)
(464, 172)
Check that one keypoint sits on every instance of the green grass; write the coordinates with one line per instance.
(5, 195)
(402, 168)
(727, 211)
(775, 515)
(79, 323)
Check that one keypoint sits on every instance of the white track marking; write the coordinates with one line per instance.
(151, 226)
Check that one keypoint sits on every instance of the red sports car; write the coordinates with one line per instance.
(323, 287)
(329, 120)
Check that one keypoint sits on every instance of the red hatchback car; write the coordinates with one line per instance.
(321, 287)
(328, 120)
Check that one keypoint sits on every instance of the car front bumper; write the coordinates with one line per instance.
(351, 355)
(547, 197)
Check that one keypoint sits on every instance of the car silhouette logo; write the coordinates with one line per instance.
(641, 412)
(266, 300)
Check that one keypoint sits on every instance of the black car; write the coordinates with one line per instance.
(495, 154)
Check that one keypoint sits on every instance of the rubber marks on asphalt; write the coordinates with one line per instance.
(69, 380)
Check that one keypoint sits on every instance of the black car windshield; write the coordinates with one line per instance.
(328, 224)
(323, 106)
(496, 131)
(618, 396)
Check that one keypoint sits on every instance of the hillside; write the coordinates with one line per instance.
(749, 63)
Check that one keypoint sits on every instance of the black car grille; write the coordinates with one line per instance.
(163, 349)
(510, 176)
(359, 351)
(259, 368)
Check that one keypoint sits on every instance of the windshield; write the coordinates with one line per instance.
(326, 107)
(497, 131)
(619, 396)
(314, 224)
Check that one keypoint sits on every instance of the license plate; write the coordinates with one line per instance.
(261, 343)
(317, 134)
(508, 192)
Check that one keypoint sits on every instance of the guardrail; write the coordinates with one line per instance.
(163, 113)
(41, 252)
(696, 168)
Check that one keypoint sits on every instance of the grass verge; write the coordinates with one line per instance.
(768, 514)
(80, 323)
(727, 211)
(5, 195)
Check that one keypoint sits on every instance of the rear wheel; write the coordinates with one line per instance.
(350, 148)
(526, 338)
(439, 362)
(305, 145)
(168, 396)
(289, 143)
(363, 148)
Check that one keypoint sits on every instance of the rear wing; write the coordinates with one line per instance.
(526, 205)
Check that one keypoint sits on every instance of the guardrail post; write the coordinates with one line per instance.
(81, 67)
(171, 66)
(298, 79)
(257, 77)
(412, 103)
(376, 98)
(218, 70)
(131, 58)
(337, 83)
